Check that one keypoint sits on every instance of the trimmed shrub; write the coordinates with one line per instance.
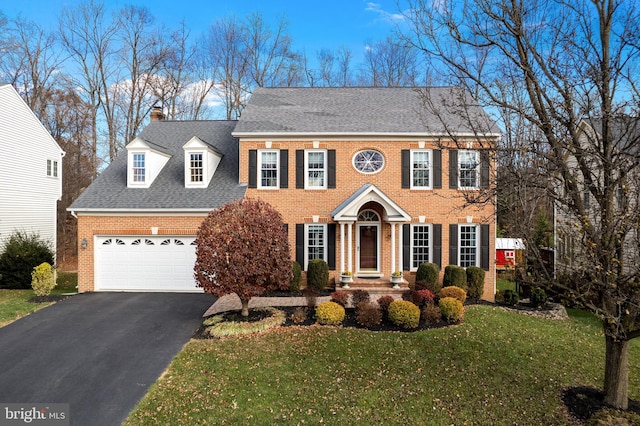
(538, 297)
(42, 279)
(451, 309)
(299, 315)
(318, 274)
(368, 314)
(22, 253)
(510, 298)
(428, 277)
(419, 297)
(455, 292)
(340, 297)
(404, 314)
(475, 282)
(454, 276)
(431, 314)
(360, 296)
(296, 277)
(329, 313)
(384, 303)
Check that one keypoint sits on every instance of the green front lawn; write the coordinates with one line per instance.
(15, 304)
(496, 368)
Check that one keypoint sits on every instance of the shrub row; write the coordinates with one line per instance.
(22, 253)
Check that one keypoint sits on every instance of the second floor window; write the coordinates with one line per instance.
(315, 165)
(421, 169)
(468, 169)
(196, 167)
(268, 167)
(138, 168)
(52, 168)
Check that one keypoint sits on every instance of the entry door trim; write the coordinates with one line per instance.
(360, 271)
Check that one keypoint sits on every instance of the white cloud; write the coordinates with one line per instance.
(383, 14)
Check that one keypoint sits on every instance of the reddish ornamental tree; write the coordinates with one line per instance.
(243, 248)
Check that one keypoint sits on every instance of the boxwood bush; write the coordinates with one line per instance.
(318, 274)
(296, 276)
(428, 277)
(475, 282)
(404, 314)
(330, 313)
(455, 292)
(454, 276)
(451, 309)
(42, 279)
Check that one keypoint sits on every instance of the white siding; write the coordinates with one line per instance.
(28, 197)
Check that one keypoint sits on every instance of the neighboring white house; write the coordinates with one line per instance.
(30, 170)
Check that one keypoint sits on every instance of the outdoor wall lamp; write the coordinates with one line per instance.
(84, 243)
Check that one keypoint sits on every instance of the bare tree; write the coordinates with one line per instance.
(390, 63)
(575, 61)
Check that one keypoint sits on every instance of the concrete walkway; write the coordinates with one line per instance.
(231, 302)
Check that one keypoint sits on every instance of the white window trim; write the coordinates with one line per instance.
(259, 169)
(477, 247)
(52, 168)
(477, 169)
(306, 242)
(430, 186)
(191, 183)
(145, 181)
(306, 169)
(412, 247)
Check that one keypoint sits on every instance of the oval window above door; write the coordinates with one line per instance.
(368, 161)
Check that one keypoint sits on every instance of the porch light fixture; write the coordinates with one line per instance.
(84, 243)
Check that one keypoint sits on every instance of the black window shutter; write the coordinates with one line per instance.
(484, 170)
(437, 245)
(406, 168)
(453, 169)
(300, 168)
(331, 168)
(253, 168)
(484, 247)
(331, 246)
(300, 237)
(453, 244)
(437, 169)
(406, 247)
(284, 168)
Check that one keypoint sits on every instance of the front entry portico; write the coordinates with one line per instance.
(364, 216)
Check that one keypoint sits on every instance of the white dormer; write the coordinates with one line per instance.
(200, 163)
(145, 160)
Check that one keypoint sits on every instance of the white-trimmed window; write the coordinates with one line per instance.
(421, 237)
(315, 169)
(138, 168)
(196, 167)
(468, 239)
(52, 168)
(315, 242)
(268, 166)
(421, 169)
(468, 169)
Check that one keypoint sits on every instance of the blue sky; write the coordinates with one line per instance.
(313, 25)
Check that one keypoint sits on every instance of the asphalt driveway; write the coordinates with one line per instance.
(99, 352)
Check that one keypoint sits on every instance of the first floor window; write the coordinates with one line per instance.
(196, 167)
(52, 168)
(316, 242)
(138, 168)
(468, 243)
(316, 167)
(420, 245)
(268, 166)
(421, 169)
(468, 165)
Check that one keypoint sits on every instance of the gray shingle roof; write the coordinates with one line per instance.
(362, 110)
(109, 191)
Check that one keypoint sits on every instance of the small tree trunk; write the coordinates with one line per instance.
(616, 373)
(245, 307)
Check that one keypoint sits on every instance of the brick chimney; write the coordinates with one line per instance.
(156, 113)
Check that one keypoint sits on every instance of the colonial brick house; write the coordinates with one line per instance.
(364, 178)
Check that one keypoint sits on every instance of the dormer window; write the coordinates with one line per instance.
(145, 160)
(200, 163)
(138, 167)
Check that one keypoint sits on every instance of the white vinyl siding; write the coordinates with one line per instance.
(29, 196)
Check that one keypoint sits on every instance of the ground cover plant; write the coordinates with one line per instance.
(498, 367)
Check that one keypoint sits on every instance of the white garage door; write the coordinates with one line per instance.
(145, 263)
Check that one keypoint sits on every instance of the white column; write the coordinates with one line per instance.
(350, 244)
(341, 247)
(400, 243)
(393, 247)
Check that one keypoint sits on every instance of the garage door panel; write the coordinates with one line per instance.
(145, 263)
